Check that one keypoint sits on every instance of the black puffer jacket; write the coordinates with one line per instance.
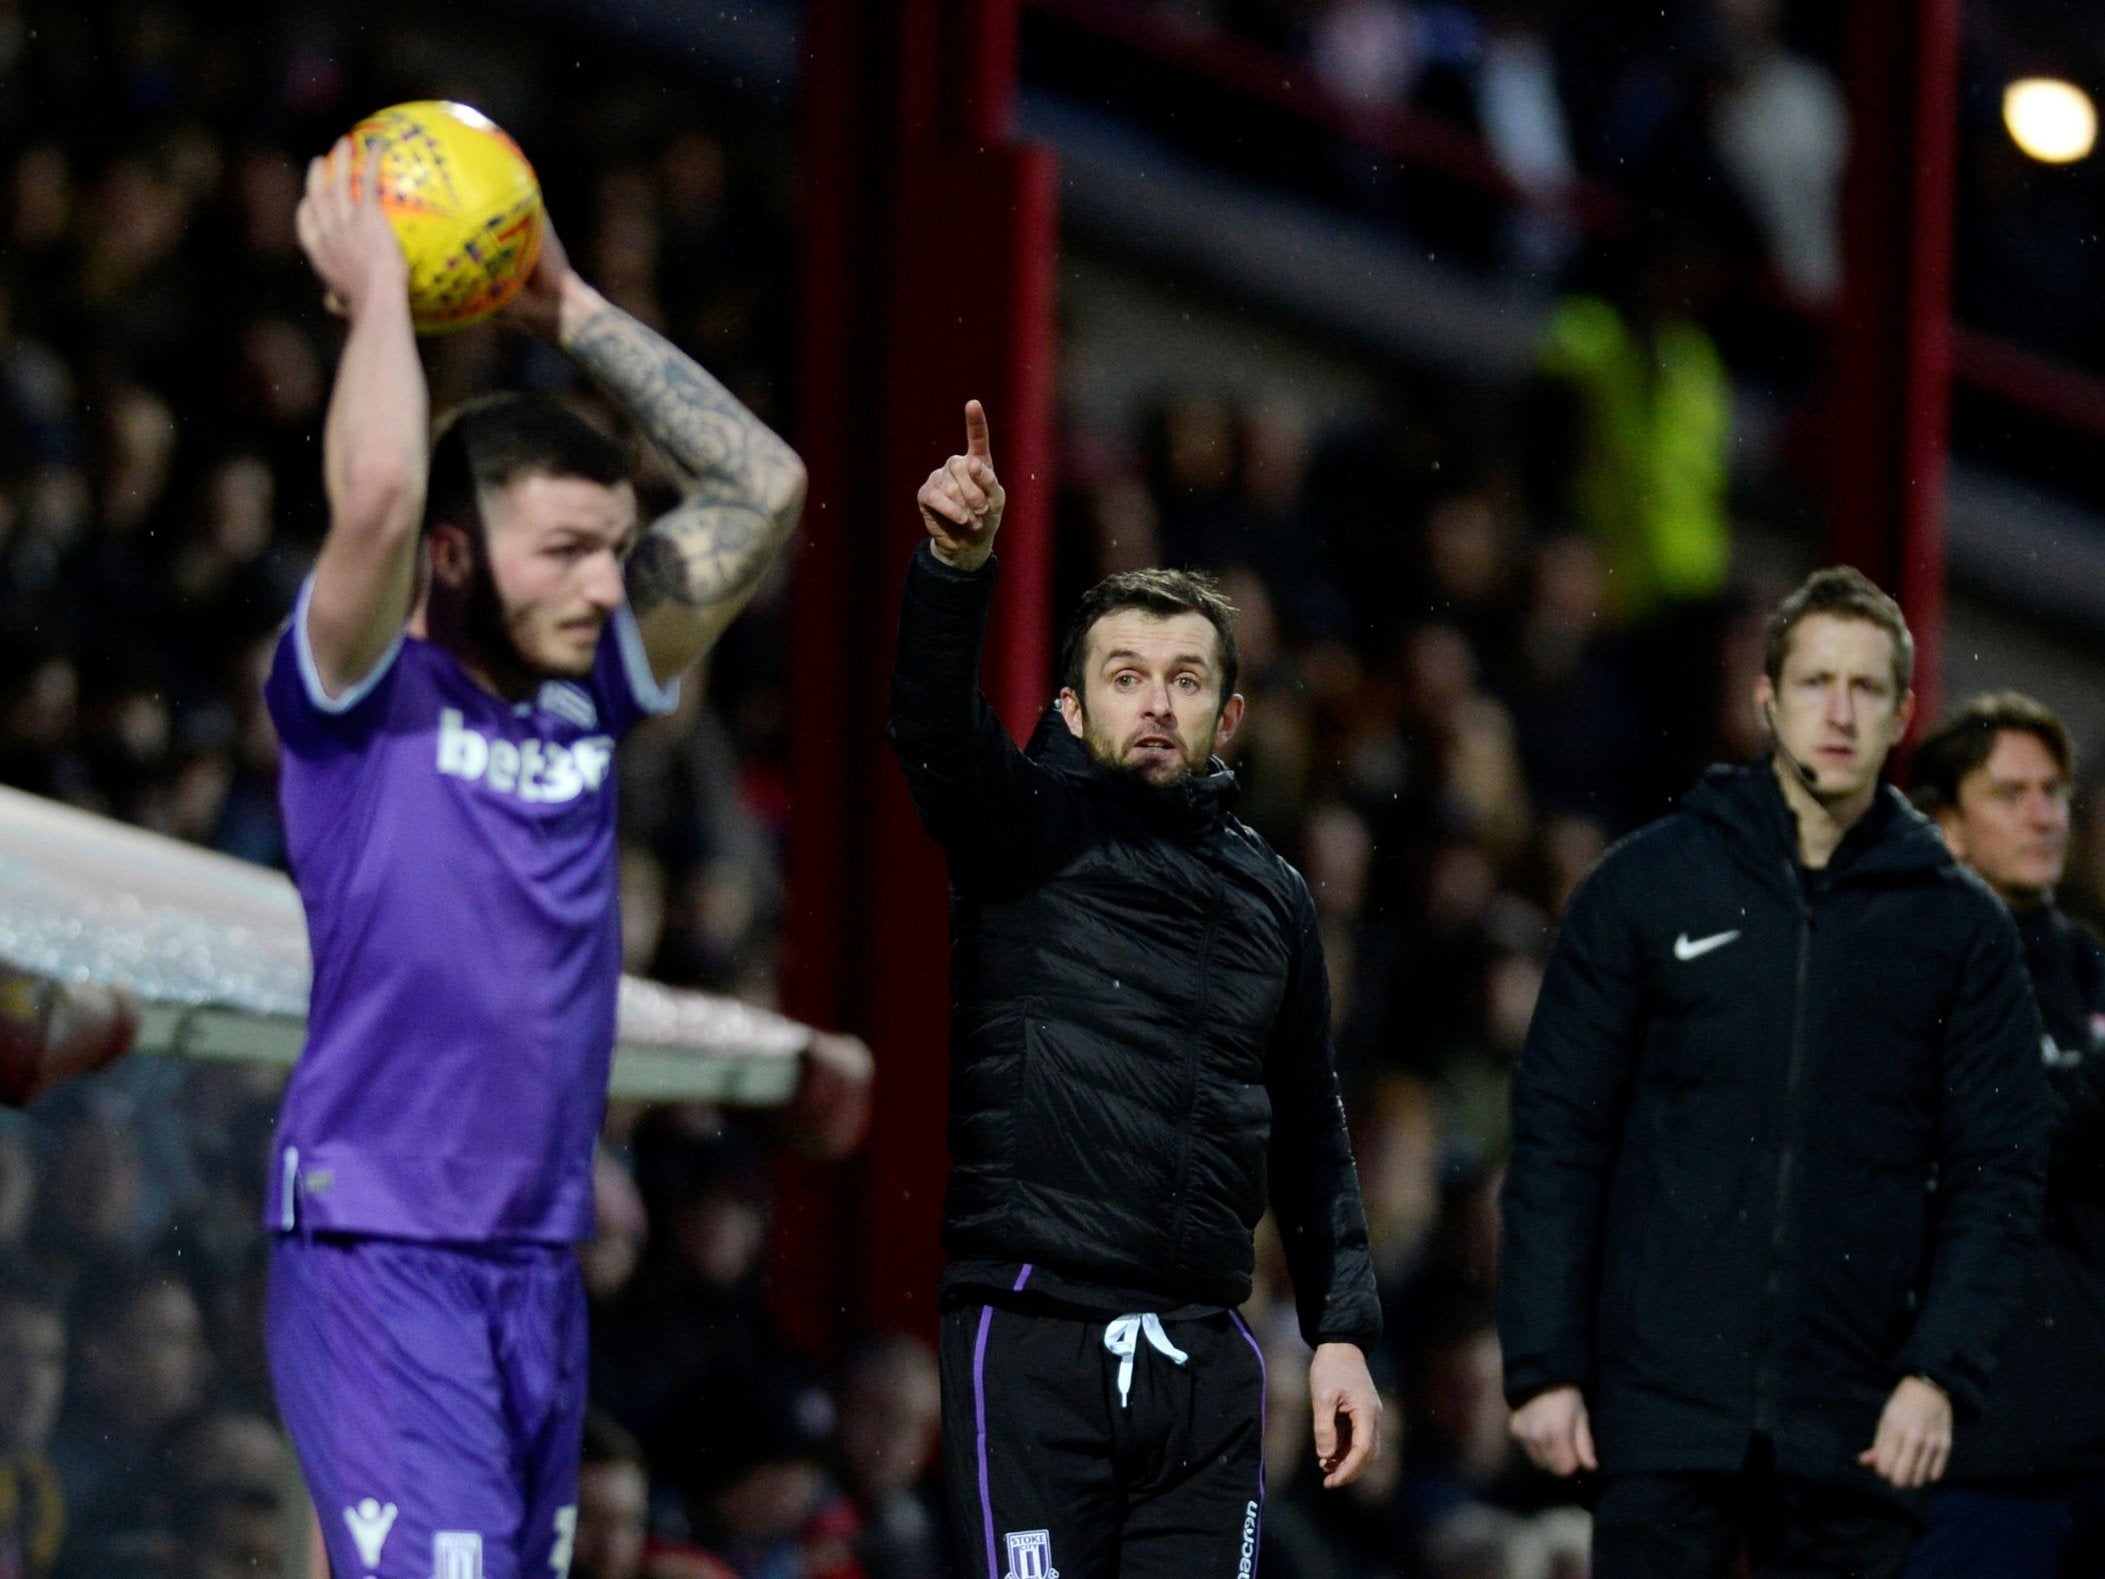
(2045, 1414)
(1140, 1017)
(1778, 1138)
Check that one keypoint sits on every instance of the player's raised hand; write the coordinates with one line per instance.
(345, 234)
(539, 305)
(962, 500)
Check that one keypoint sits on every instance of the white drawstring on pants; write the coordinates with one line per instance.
(1123, 1336)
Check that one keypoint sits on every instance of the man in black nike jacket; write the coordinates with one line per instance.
(1777, 1144)
(1141, 1063)
(2025, 1497)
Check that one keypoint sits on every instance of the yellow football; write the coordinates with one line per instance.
(464, 202)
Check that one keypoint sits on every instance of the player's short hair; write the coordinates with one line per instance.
(489, 443)
(1962, 742)
(1163, 593)
(1847, 594)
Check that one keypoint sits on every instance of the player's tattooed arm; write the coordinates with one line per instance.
(695, 567)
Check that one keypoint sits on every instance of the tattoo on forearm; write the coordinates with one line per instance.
(745, 483)
(702, 553)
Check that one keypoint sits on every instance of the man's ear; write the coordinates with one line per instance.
(1231, 720)
(452, 557)
(1903, 715)
(1071, 713)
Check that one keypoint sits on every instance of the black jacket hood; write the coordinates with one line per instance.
(1891, 839)
(1197, 803)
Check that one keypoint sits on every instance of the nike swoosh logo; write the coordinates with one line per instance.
(1686, 947)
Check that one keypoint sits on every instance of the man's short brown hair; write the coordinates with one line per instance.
(1844, 594)
(1963, 741)
(1163, 593)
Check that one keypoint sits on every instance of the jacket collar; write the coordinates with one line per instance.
(1194, 804)
(1891, 839)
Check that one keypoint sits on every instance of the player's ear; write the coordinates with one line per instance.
(1231, 719)
(1071, 712)
(452, 556)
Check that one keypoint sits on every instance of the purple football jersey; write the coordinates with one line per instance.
(455, 855)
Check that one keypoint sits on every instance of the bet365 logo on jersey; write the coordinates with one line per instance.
(537, 771)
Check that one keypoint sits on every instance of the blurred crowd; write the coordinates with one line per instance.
(1519, 138)
(1726, 112)
(1733, 106)
(1465, 678)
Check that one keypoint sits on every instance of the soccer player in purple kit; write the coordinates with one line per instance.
(485, 620)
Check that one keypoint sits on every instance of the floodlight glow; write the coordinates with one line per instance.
(2052, 121)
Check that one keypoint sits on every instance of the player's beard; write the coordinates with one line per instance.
(487, 625)
(1192, 757)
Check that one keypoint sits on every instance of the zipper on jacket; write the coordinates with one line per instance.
(1194, 1049)
(1765, 1377)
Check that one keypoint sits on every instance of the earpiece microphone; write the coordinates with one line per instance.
(1803, 770)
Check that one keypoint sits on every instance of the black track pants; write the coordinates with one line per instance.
(1049, 1473)
(1692, 1526)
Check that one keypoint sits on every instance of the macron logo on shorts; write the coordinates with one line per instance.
(536, 771)
(456, 1554)
(369, 1523)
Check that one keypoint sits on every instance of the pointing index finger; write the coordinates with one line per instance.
(978, 444)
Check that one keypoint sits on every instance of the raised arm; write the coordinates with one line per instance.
(999, 816)
(375, 440)
(695, 566)
(962, 501)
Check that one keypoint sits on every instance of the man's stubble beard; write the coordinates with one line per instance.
(1102, 748)
(486, 622)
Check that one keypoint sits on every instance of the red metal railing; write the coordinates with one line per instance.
(2039, 384)
(1981, 362)
(1284, 83)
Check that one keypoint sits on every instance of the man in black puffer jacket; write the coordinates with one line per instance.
(1140, 1065)
(2025, 1498)
(1777, 1144)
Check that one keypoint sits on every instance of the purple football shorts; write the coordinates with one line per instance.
(435, 1395)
